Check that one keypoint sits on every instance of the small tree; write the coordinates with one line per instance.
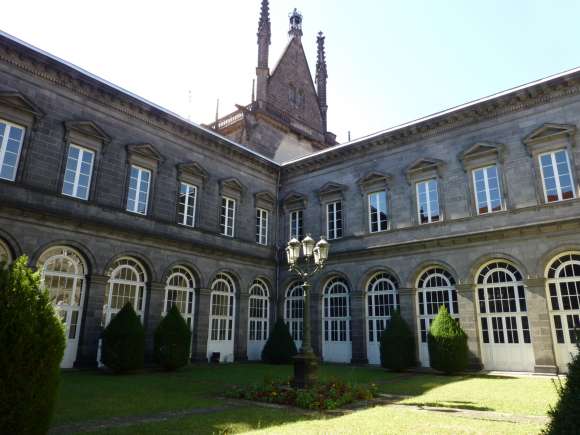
(280, 347)
(565, 416)
(172, 341)
(447, 343)
(123, 346)
(33, 344)
(397, 344)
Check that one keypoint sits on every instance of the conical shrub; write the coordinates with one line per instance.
(447, 343)
(123, 346)
(565, 416)
(172, 341)
(33, 344)
(280, 347)
(397, 344)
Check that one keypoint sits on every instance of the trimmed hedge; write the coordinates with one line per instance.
(280, 347)
(397, 344)
(123, 346)
(172, 341)
(565, 416)
(33, 344)
(447, 343)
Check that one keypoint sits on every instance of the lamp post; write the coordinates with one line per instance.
(315, 256)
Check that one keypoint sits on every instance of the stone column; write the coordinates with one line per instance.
(358, 336)
(201, 327)
(468, 321)
(408, 303)
(152, 316)
(316, 321)
(96, 287)
(241, 331)
(541, 332)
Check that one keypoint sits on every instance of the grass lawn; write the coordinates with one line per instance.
(95, 396)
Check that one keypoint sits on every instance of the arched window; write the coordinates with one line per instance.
(63, 274)
(382, 299)
(180, 292)
(222, 308)
(5, 256)
(127, 284)
(502, 304)
(336, 310)
(258, 311)
(564, 292)
(294, 311)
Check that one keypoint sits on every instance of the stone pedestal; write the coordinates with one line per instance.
(91, 328)
(358, 336)
(468, 322)
(540, 328)
(305, 369)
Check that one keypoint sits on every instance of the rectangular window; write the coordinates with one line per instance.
(11, 137)
(427, 202)
(556, 175)
(378, 212)
(334, 220)
(261, 226)
(296, 224)
(138, 190)
(78, 172)
(227, 216)
(487, 190)
(186, 206)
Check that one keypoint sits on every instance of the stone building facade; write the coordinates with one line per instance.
(117, 200)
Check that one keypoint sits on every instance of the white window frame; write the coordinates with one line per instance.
(4, 144)
(487, 190)
(296, 222)
(229, 206)
(138, 190)
(379, 226)
(191, 189)
(552, 155)
(77, 171)
(262, 218)
(428, 199)
(336, 232)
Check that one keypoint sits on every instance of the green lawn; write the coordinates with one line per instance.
(96, 396)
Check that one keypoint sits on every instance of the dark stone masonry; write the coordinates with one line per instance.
(475, 208)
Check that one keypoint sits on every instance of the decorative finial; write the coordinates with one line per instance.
(321, 57)
(295, 24)
(264, 23)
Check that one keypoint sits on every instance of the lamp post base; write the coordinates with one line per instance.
(305, 368)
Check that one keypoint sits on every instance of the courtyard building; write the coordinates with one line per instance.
(116, 200)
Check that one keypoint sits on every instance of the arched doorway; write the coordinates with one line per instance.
(336, 340)
(382, 297)
(504, 327)
(221, 319)
(180, 292)
(294, 312)
(5, 255)
(563, 288)
(63, 274)
(258, 313)
(435, 287)
(127, 284)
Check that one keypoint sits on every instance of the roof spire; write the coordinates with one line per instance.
(264, 32)
(321, 76)
(295, 24)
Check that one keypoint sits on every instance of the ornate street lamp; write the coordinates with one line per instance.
(315, 256)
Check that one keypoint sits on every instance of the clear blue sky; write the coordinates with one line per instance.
(388, 61)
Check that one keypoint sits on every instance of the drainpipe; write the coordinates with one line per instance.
(277, 243)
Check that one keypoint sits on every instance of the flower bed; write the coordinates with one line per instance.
(321, 396)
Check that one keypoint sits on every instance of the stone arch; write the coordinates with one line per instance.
(145, 262)
(424, 265)
(548, 257)
(369, 273)
(188, 265)
(330, 275)
(82, 250)
(266, 281)
(12, 245)
(481, 261)
(234, 275)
